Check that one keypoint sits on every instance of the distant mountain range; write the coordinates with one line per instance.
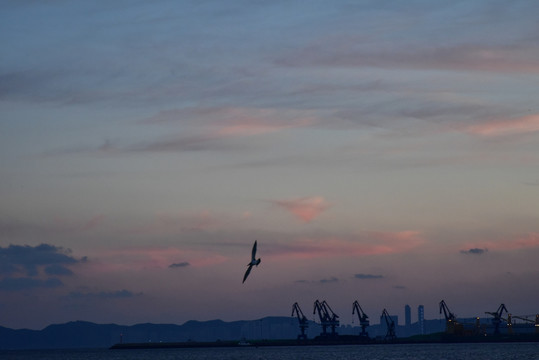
(82, 334)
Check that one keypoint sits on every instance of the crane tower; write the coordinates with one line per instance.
(302, 320)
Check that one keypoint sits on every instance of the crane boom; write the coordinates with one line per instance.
(322, 315)
(536, 322)
(334, 316)
(297, 310)
(363, 318)
(390, 335)
(333, 321)
(326, 319)
(497, 317)
(451, 324)
(302, 320)
(449, 316)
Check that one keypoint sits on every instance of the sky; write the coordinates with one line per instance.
(379, 151)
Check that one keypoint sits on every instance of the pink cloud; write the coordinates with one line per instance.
(143, 258)
(248, 122)
(93, 222)
(65, 225)
(464, 57)
(212, 128)
(397, 241)
(306, 209)
(527, 241)
(518, 125)
(236, 121)
(368, 243)
(174, 224)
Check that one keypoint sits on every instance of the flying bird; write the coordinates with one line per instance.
(254, 262)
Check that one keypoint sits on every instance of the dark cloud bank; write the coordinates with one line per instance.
(474, 251)
(368, 276)
(119, 294)
(179, 265)
(25, 267)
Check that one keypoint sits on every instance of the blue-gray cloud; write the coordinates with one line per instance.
(332, 279)
(474, 251)
(179, 265)
(456, 57)
(368, 276)
(179, 144)
(27, 260)
(184, 144)
(58, 270)
(119, 294)
(532, 183)
(25, 283)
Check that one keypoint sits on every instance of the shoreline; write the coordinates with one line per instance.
(340, 340)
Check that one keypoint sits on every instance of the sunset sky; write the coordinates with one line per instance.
(379, 151)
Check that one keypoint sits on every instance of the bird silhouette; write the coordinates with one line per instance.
(254, 262)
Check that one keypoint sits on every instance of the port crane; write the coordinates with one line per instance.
(363, 318)
(497, 317)
(334, 322)
(450, 318)
(302, 320)
(390, 335)
(326, 319)
(536, 322)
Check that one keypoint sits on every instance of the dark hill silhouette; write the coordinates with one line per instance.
(83, 334)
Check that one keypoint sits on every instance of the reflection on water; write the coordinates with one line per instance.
(505, 351)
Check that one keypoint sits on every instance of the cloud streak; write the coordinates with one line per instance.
(305, 209)
(146, 258)
(164, 223)
(368, 276)
(27, 283)
(205, 129)
(104, 295)
(519, 125)
(522, 242)
(363, 244)
(189, 143)
(59, 225)
(235, 121)
(474, 251)
(346, 52)
(179, 265)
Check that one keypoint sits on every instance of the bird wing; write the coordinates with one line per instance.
(247, 273)
(253, 254)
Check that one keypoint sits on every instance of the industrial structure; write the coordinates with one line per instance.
(525, 318)
(363, 318)
(390, 334)
(302, 320)
(451, 324)
(327, 318)
(407, 315)
(502, 324)
(498, 318)
(458, 328)
(421, 319)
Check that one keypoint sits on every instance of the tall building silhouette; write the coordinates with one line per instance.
(421, 319)
(407, 315)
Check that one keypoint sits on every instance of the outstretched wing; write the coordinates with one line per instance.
(253, 254)
(247, 273)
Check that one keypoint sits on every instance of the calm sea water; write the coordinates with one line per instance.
(505, 351)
